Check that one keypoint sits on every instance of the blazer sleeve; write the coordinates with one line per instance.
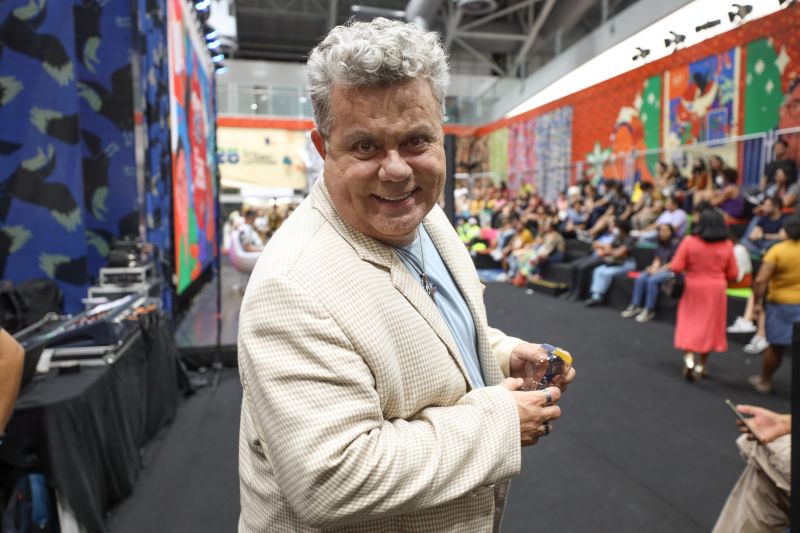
(502, 346)
(315, 408)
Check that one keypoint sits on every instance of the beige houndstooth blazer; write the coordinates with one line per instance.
(357, 413)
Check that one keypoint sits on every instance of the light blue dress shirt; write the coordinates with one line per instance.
(448, 299)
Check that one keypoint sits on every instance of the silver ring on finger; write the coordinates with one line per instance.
(548, 397)
(547, 429)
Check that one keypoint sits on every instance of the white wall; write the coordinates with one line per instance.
(244, 72)
(250, 73)
(632, 20)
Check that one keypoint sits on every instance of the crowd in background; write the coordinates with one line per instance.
(686, 220)
(253, 226)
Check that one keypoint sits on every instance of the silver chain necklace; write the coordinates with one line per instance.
(429, 287)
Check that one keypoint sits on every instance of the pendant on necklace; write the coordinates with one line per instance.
(429, 287)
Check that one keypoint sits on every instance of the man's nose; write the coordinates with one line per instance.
(394, 167)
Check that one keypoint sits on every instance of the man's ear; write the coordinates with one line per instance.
(319, 142)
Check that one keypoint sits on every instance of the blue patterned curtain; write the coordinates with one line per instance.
(68, 179)
(154, 83)
(103, 33)
(42, 224)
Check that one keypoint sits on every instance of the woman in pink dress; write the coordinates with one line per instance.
(706, 257)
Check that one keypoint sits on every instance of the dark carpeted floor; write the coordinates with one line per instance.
(637, 448)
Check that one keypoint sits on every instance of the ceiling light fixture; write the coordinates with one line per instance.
(643, 53)
(707, 25)
(677, 39)
(741, 11)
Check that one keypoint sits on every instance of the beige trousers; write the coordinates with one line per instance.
(759, 502)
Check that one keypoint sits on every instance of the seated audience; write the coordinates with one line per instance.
(780, 160)
(611, 206)
(787, 190)
(672, 215)
(728, 197)
(577, 216)
(699, 182)
(617, 260)
(647, 209)
(716, 171)
(765, 228)
(549, 246)
(248, 236)
(646, 286)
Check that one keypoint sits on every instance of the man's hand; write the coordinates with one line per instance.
(535, 411)
(765, 424)
(528, 351)
(756, 234)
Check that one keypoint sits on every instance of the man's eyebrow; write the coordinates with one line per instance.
(358, 135)
(421, 130)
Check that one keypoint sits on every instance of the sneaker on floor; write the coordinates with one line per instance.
(741, 325)
(758, 384)
(630, 311)
(756, 345)
(584, 236)
(593, 301)
(645, 316)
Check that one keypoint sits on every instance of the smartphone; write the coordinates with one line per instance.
(741, 417)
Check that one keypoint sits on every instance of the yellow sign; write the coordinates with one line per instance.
(262, 157)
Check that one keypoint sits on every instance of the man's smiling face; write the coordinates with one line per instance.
(384, 157)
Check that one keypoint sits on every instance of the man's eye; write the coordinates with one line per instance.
(364, 147)
(416, 142)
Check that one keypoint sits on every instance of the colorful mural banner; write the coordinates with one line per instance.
(702, 100)
(472, 155)
(553, 152)
(610, 127)
(192, 122)
(262, 157)
(520, 153)
(772, 87)
(498, 154)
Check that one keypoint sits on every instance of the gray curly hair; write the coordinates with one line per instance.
(380, 52)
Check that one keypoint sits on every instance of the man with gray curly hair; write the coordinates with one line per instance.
(376, 396)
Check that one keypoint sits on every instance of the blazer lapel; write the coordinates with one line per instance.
(410, 287)
(380, 254)
(459, 263)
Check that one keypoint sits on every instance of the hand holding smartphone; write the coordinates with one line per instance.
(742, 421)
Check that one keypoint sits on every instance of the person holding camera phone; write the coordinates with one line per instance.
(759, 501)
(376, 396)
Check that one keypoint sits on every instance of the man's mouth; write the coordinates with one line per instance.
(394, 198)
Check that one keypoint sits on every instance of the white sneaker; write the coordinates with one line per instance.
(741, 325)
(645, 316)
(630, 311)
(758, 384)
(757, 345)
